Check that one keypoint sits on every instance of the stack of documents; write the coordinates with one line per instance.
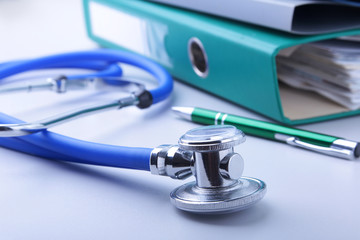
(330, 68)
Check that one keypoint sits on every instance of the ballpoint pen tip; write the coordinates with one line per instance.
(184, 112)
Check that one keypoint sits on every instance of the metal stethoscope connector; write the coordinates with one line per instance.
(208, 154)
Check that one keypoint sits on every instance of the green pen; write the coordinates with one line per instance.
(330, 145)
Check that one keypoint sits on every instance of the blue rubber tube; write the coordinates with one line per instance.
(55, 146)
(161, 92)
(102, 69)
(24, 147)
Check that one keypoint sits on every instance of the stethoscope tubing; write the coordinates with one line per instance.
(102, 69)
(51, 145)
(55, 146)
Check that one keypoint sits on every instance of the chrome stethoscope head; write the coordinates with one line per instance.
(208, 154)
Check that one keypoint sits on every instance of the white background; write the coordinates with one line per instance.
(310, 196)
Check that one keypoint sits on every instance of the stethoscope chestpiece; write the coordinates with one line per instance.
(219, 187)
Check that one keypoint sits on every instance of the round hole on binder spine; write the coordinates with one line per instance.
(198, 57)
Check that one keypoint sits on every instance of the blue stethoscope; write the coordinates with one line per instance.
(206, 152)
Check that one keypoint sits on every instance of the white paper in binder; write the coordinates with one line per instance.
(330, 68)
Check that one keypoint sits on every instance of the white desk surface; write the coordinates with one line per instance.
(310, 196)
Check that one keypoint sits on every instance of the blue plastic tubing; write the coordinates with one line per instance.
(55, 146)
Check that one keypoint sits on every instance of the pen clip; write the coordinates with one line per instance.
(339, 148)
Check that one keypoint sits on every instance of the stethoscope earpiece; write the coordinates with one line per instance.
(208, 154)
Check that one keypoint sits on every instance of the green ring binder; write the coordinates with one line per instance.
(241, 57)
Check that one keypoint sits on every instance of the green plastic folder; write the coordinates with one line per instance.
(240, 58)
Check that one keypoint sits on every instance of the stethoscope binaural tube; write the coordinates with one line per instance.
(55, 146)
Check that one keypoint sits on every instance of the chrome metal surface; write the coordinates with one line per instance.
(232, 166)
(207, 169)
(339, 148)
(208, 154)
(57, 84)
(211, 138)
(211, 145)
(169, 160)
(351, 148)
(196, 55)
(239, 196)
(28, 87)
(14, 130)
(218, 187)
